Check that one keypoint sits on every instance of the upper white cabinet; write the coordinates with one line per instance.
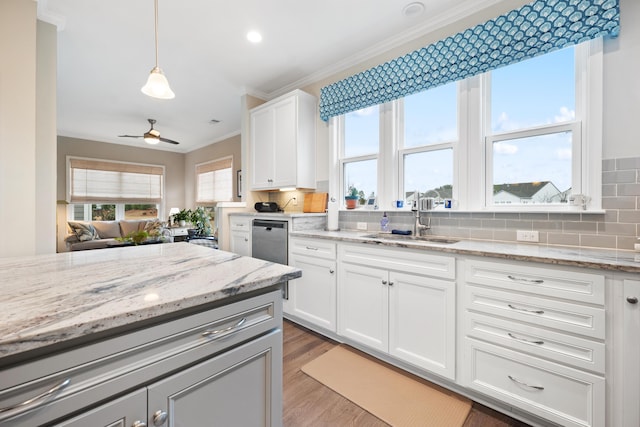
(283, 142)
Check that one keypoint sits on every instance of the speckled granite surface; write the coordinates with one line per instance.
(604, 259)
(49, 299)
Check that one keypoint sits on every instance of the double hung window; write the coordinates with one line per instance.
(214, 181)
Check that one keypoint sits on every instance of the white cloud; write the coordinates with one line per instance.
(565, 115)
(505, 148)
(505, 124)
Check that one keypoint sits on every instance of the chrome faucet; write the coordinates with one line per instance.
(418, 226)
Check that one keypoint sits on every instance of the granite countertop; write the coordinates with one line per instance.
(278, 214)
(50, 299)
(604, 259)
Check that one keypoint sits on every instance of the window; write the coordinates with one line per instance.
(214, 181)
(108, 190)
(516, 137)
(530, 144)
(430, 120)
(359, 159)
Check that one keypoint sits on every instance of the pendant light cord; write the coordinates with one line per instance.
(156, 29)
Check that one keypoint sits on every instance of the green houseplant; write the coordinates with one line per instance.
(182, 217)
(351, 198)
(200, 221)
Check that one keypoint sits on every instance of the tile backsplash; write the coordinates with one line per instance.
(617, 228)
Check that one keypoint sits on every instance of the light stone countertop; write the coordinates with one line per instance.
(50, 299)
(604, 259)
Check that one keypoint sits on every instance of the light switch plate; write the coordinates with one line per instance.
(527, 236)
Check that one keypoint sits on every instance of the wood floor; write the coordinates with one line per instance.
(309, 403)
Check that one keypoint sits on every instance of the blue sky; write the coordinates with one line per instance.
(534, 92)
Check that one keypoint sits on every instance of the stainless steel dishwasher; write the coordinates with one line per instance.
(269, 241)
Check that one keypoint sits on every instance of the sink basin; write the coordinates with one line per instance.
(402, 237)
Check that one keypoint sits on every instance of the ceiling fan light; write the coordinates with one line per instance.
(151, 139)
(157, 85)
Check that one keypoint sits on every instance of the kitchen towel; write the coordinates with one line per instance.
(332, 215)
(388, 393)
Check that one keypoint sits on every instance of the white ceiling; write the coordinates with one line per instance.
(106, 50)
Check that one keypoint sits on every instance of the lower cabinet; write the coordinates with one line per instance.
(127, 411)
(240, 234)
(408, 315)
(631, 353)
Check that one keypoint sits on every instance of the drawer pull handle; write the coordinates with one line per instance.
(632, 300)
(139, 424)
(515, 380)
(520, 279)
(29, 403)
(526, 310)
(331, 271)
(524, 340)
(221, 331)
(311, 248)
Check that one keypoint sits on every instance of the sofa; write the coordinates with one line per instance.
(83, 235)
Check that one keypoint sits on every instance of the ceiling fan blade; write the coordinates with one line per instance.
(130, 136)
(170, 141)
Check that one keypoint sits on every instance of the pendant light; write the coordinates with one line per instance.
(157, 85)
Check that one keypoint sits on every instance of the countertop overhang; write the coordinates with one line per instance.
(605, 259)
(57, 298)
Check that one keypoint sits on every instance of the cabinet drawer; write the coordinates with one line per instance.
(569, 397)
(313, 248)
(575, 351)
(106, 368)
(398, 259)
(570, 285)
(564, 316)
(239, 223)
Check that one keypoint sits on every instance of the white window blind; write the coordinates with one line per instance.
(214, 181)
(105, 181)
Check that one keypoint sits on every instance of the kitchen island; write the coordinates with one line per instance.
(140, 334)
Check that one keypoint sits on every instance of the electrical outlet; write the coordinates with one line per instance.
(527, 236)
(295, 201)
(361, 226)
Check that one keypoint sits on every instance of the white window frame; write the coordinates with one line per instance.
(197, 181)
(472, 188)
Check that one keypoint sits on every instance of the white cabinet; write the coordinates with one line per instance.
(400, 302)
(534, 336)
(240, 234)
(631, 353)
(282, 144)
(312, 297)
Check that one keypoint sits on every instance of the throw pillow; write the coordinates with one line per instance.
(129, 227)
(153, 227)
(83, 230)
(107, 229)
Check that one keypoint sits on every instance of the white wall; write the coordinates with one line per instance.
(622, 86)
(18, 128)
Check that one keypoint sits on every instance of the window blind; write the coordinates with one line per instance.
(537, 28)
(214, 181)
(103, 181)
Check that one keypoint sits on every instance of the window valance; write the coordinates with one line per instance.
(103, 181)
(539, 27)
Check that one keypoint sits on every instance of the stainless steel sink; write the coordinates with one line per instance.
(402, 237)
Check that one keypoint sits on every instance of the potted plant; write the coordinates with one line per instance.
(351, 199)
(200, 221)
(182, 217)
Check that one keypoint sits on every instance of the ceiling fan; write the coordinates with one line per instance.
(152, 136)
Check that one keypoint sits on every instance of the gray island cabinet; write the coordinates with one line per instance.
(154, 335)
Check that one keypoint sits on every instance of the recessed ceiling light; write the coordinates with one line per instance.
(254, 37)
(413, 9)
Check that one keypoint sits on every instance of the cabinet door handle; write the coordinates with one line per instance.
(390, 283)
(632, 300)
(159, 417)
(331, 271)
(520, 279)
(524, 340)
(311, 248)
(246, 239)
(525, 310)
(30, 403)
(209, 334)
(139, 424)
(517, 381)
(384, 282)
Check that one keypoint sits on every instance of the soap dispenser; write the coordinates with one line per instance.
(384, 222)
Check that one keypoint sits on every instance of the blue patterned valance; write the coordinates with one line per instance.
(534, 29)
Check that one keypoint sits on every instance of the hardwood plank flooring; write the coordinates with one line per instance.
(309, 403)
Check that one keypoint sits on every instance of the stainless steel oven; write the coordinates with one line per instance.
(270, 242)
